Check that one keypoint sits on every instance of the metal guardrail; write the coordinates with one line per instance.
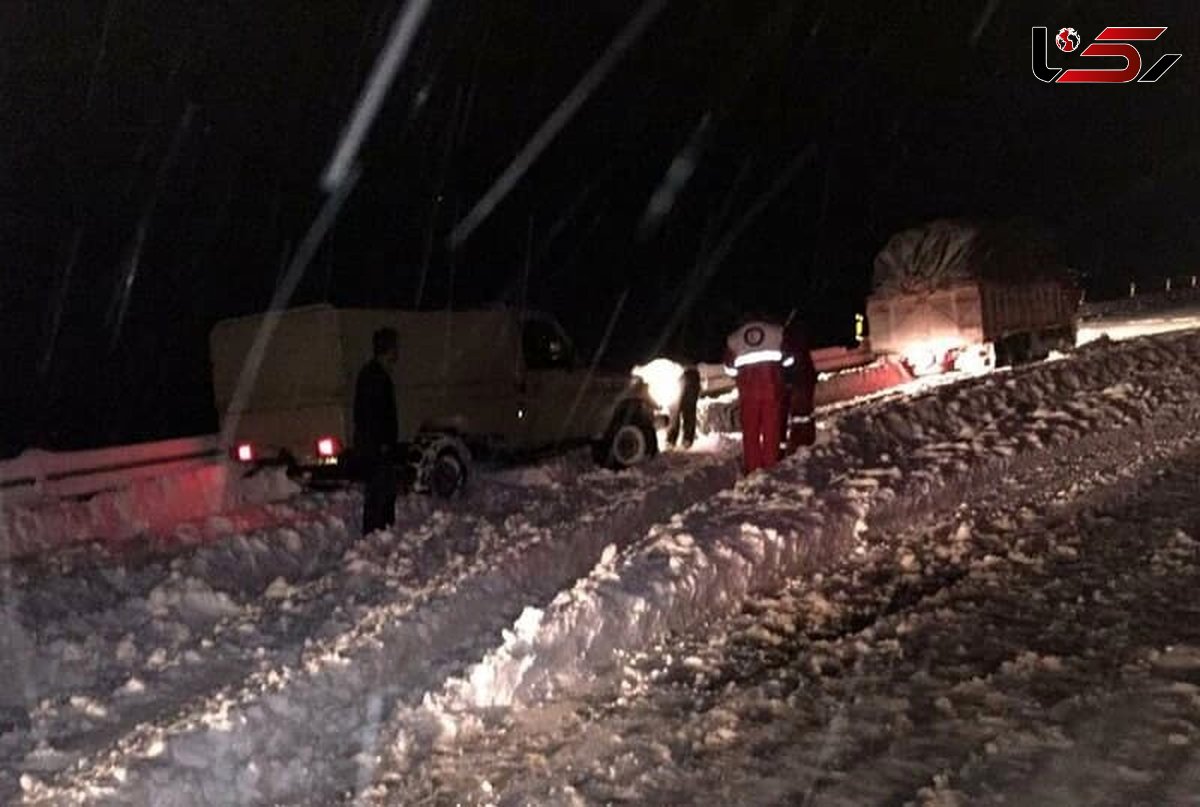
(1142, 300)
(47, 475)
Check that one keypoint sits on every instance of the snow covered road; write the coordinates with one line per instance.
(882, 466)
(269, 619)
(1025, 639)
(1119, 327)
(489, 651)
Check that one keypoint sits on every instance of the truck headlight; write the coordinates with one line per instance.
(663, 379)
(927, 358)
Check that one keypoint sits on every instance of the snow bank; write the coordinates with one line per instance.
(551, 472)
(145, 633)
(976, 623)
(144, 506)
(308, 723)
(294, 729)
(874, 461)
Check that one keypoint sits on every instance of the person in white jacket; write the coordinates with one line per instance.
(754, 356)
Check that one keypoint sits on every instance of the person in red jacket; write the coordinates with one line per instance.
(754, 356)
(800, 386)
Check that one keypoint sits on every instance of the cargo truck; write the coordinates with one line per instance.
(949, 296)
(497, 381)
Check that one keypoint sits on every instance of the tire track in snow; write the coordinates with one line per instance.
(690, 699)
(120, 639)
(1102, 397)
(225, 748)
(872, 444)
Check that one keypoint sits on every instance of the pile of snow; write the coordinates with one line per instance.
(371, 647)
(145, 506)
(138, 637)
(328, 660)
(753, 537)
(550, 472)
(975, 633)
(717, 414)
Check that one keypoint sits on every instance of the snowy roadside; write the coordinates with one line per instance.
(96, 642)
(757, 534)
(1025, 639)
(878, 461)
(1147, 323)
(99, 641)
(394, 615)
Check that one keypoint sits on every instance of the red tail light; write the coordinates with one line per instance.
(328, 447)
(245, 452)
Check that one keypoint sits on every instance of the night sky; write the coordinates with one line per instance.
(159, 161)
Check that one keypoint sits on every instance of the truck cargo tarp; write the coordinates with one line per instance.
(940, 253)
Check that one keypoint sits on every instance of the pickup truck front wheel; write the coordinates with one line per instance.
(448, 476)
(630, 441)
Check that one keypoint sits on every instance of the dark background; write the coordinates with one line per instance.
(159, 163)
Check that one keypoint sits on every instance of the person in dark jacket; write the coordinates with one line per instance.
(376, 431)
(683, 413)
(800, 385)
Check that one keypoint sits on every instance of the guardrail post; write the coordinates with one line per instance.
(1132, 289)
(1168, 284)
(38, 469)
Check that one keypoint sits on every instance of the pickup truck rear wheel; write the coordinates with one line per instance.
(631, 440)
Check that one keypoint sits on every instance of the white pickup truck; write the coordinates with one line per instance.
(499, 380)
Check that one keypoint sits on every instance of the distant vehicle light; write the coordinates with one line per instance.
(245, 453)
(328, 447)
